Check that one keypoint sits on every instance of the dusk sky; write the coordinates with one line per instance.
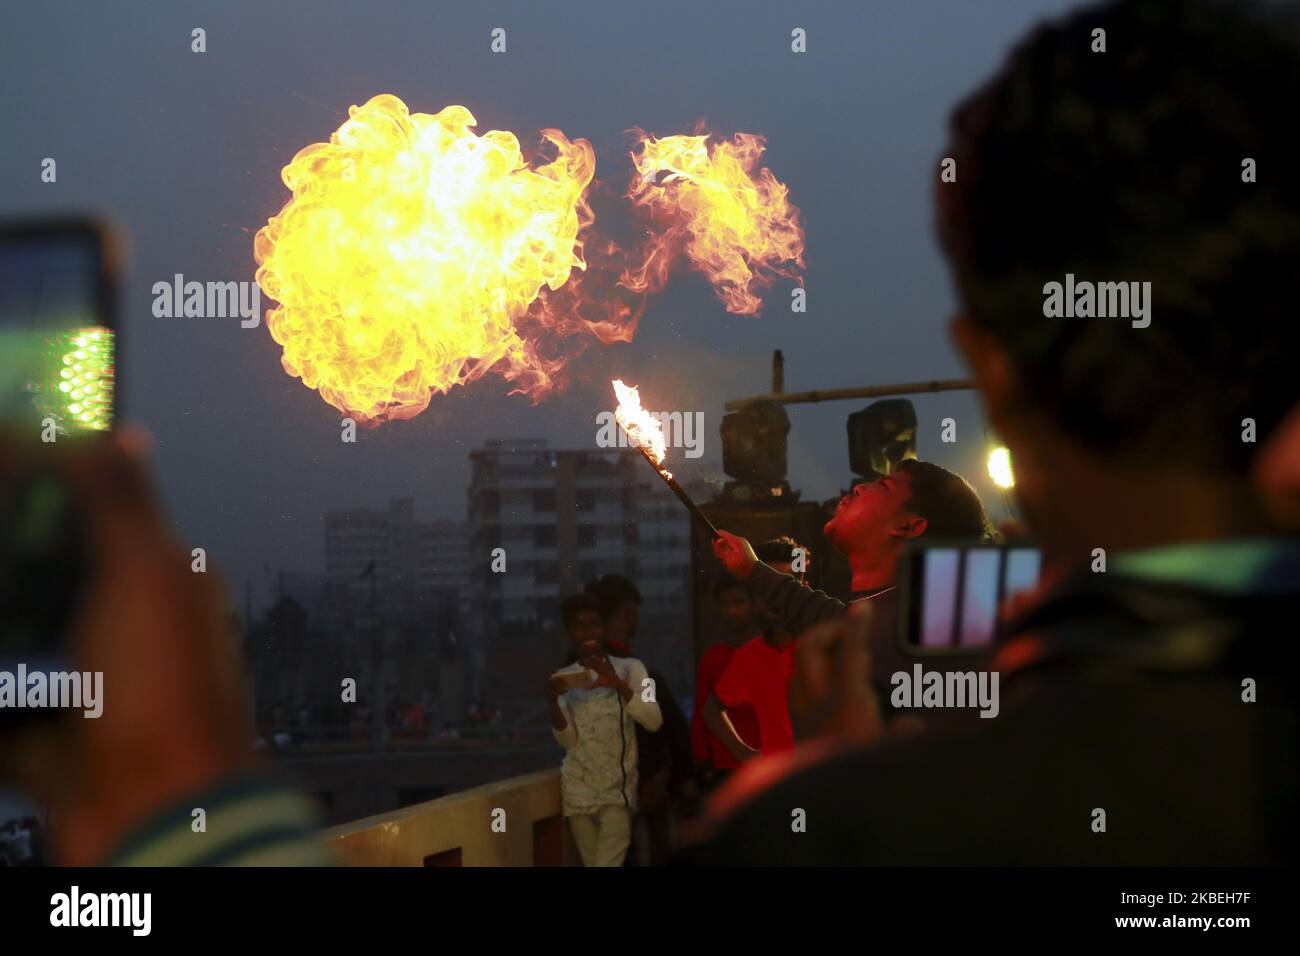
(185, 149)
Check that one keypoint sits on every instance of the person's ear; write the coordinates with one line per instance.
(1277, 471)
(912, 526)
(991, 367)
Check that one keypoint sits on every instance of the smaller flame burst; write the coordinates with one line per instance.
(640, 426)
(714, 201)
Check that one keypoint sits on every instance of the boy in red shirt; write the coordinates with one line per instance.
(758, 675)
(757, 678)
(714, 760)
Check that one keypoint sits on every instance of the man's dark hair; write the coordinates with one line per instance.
(779, 550)
(1127, 165)
(575, 604)
(724, 583)
(950, 506)
(613, 591)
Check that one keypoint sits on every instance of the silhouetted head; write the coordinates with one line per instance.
(735, 603)
(621, 605)
(1165, 160)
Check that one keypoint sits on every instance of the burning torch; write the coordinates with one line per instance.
(648, 437)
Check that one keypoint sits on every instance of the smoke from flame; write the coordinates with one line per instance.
(731, 217)
(411, 253)
(641, 428)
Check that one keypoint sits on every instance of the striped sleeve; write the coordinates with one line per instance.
(249, 821)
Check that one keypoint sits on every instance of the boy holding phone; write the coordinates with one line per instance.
(595, 705)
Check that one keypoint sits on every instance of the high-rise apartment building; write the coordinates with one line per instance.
(562, 518)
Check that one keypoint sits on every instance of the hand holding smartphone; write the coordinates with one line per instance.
(58, 384)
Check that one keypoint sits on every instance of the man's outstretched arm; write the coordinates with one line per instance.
(796, 606)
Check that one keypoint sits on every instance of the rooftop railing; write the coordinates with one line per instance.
(513, 822)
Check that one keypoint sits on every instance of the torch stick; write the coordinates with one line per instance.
(682, 496)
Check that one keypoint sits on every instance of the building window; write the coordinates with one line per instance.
(544, 536)
(544, 500)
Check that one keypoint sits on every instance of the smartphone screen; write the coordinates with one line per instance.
(58, 362)
(953, 593)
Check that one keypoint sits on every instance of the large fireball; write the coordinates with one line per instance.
(411, 252)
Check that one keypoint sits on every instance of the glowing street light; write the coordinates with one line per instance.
(1000, 467)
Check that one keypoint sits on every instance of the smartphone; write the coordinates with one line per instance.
(59, 375)
(952, 592)
(58, 333)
